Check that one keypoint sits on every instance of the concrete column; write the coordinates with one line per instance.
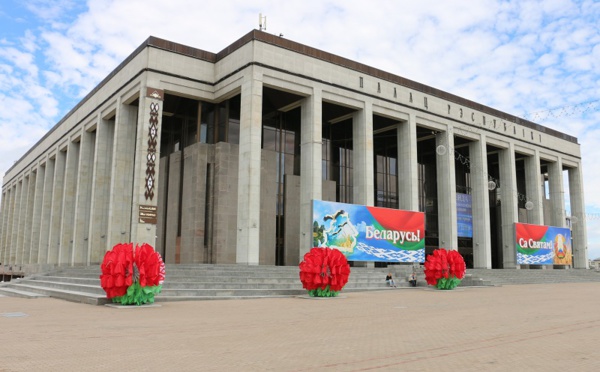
(509, 205)
(3, 219)
(557, 194)
(446, 190)
(16, 215)
(222, 243)
(145, 185)
(578, 227)
(121, 182)
(192, 173)
(268, 210)
(292, 221)
(362, 139)
(56, 209)
(311, 156)
(408, 172)
(482, 242)
(162, 206)
(194, 189)
(36, 221)
(68, 209)
(29, 218)
(533, 189)
(101, 179)
(248, 215)
(172, 242)
(9, 225)
(83, 202)
(363, 159)
(22, 218)
(46, 211)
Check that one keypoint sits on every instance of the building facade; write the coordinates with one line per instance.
(216, 158)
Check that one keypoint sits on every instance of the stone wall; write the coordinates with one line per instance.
(207, 198)
(292, 216)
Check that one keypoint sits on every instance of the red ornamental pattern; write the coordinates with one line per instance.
(444, 264)
(121, 268)
(322, 267)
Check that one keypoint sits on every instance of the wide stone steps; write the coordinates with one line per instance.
(200, 282)
(536, 276)
(195, 282)
(20, 293)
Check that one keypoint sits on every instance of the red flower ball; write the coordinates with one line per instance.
(322, 267)
(117, 270)
(150, 266)
(444, 264)
(122, 267)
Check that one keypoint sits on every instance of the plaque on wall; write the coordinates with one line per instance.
(147, 214)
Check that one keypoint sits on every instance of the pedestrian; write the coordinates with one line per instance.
(390, 280)
(413, 279)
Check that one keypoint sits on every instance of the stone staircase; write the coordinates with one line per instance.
(498, 277)
(191, 282)
(203, 282)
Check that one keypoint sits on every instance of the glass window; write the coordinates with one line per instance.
(222, 118)
(393, 166)
(289, 142)
(380, 161)
(203, 130)
(269, 138)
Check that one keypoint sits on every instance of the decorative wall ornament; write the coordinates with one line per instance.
(155, 93)
(151, 157)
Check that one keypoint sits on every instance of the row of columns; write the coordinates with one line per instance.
(248, 244)
(84, 196)
(78, 201)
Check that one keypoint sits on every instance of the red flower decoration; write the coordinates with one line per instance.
(324, 269)
(443, 264)
(150, 266)
(117, 270)
(123, 267)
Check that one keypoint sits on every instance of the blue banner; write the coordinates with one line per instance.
(464, 211)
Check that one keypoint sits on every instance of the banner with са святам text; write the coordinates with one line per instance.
(543, 245)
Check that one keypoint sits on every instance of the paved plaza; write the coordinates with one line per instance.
(549, 327)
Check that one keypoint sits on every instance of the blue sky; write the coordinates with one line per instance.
(536, 59)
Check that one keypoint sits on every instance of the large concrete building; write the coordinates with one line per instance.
(216, 158)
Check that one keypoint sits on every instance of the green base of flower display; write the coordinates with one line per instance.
(326, 292)
(138, 295)
(447, 283)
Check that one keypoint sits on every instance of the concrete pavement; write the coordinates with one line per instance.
(549, 327)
